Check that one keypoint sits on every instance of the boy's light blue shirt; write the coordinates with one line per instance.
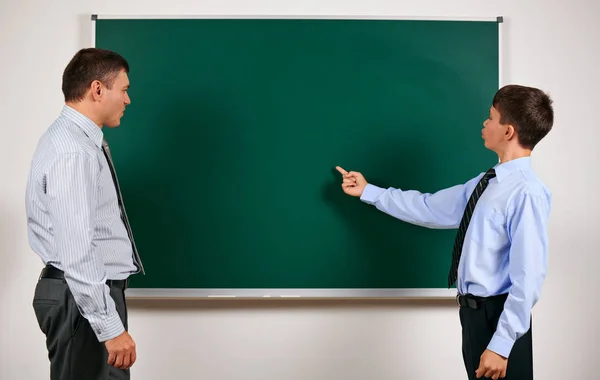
(506, 245)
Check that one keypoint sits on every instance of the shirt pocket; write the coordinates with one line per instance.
(490, 230)
(497, 220)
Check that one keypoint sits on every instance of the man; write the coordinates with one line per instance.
(79, 228)
(500, 252)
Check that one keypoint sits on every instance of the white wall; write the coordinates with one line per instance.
(548, 43)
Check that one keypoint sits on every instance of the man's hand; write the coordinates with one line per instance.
(491, 365)
(121, 351)
(353, 182)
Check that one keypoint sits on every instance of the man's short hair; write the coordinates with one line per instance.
(87, 66)
(528, 110)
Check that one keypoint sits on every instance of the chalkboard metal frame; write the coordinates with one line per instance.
(290, 293)
(412, 293)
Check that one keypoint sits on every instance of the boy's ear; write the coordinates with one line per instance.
(510, 132)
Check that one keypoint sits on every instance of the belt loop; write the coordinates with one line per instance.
(473, 304)
(467, 301)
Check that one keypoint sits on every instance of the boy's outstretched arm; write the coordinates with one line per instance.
(443, 209)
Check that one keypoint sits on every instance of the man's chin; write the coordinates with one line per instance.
(113, 124)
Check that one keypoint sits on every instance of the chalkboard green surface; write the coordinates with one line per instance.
(226, 155)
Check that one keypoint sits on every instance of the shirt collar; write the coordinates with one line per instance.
(507, 168)
(88, 127)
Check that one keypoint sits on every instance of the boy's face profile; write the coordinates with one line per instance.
(496, 135)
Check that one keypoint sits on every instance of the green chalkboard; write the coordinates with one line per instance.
(226, 155)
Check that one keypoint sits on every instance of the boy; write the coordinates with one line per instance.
(499, 258)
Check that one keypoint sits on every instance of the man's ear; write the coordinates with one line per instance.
(96, 89)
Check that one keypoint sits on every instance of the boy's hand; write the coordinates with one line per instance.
(353, 182)
(491, 365)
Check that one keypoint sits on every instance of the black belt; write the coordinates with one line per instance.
(474, 302)
(52, 272)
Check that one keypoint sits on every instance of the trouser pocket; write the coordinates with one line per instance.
(46, 299)
(43, 309)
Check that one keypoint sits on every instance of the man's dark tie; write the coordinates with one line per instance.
(136, 255)
(464, 224)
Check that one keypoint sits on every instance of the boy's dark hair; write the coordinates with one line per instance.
(528, 110)
(87, 66)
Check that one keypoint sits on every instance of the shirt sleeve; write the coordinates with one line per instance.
(443, 209)
(72, 183)
(528, 260)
